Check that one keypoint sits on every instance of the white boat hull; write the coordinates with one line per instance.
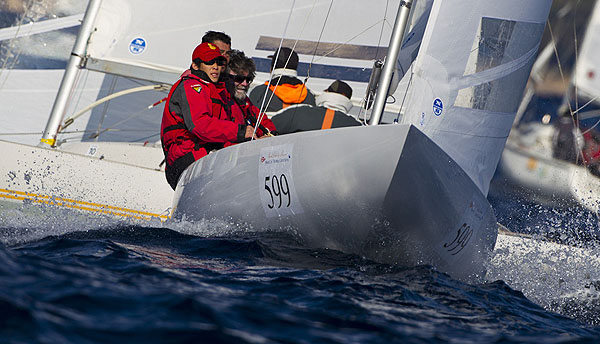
(109, 179)
(384, 192)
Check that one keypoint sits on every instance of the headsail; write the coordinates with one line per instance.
(587, 70)
(464, 93)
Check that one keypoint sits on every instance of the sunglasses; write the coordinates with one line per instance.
(240, 78)
(218, 60)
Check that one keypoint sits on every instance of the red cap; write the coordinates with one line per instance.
(206, 52)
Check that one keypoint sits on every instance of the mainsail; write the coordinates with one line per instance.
(335, 40)
(462, 92)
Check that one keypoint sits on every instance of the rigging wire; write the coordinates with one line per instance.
(368, 99)
(105, 108)
(262, 105)
(5, 62)
(382, 27)
(562, 75)
(295, 108)
(318, 41)
(576, 55)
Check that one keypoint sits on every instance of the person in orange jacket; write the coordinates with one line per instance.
(240, 71)
(285, 86)
(197, 117)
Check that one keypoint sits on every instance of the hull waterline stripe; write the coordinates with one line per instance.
(81, 205)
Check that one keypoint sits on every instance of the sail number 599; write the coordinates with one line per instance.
(279, 191)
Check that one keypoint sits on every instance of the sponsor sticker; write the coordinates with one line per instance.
(92, 150)
(137, 46)
(438, 107)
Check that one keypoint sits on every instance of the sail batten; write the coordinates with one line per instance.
(139, 70)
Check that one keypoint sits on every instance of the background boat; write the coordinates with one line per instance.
(529, 164)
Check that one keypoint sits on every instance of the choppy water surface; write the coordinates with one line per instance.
(66, 278)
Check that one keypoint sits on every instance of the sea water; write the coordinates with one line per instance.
(66, 278)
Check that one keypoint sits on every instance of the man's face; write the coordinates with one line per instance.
(241, 86)
(224, 47)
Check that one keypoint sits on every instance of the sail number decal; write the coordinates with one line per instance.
(463, 234)
(276, 181)
(278, 188)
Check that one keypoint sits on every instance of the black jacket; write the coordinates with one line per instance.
(306, 117)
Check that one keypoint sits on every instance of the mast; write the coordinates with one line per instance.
(390, 61)
(68, 81)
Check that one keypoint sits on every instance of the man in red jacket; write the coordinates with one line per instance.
(197, 117)
(240, 73)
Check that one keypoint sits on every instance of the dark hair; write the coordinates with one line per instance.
(340, 87)
(287, 58)
(239, 62)
(212, 36)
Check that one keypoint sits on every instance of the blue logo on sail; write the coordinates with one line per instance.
(137, 46)
(438, 107)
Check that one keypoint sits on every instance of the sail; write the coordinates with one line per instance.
(464, 93)
(587, 70)
(412, 40)
(410, 44)
(153, 40)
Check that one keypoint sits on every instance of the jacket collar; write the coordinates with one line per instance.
(284, 72)
(334, 101)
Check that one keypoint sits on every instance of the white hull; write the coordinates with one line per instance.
(385, 192)
(103, 178)
(545, 179)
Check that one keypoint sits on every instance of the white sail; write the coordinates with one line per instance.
(412, 40)
(587, 70)
(464, 93)
(337, 42)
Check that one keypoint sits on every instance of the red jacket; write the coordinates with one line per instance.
(250, 113)
(197, 118)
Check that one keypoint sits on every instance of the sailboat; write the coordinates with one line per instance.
(135, 57)
(407, 193)
(529, 162)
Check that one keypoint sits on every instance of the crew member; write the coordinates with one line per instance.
(220, 39)
(241, 71)
(197, 118)
(285, 85)
(330, 112)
